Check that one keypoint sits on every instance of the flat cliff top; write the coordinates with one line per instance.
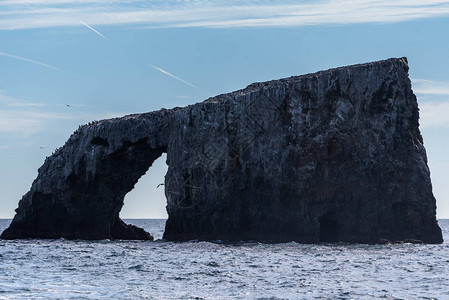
(266, 84)
(272, 83)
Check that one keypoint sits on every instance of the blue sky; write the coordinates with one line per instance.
(108, 58)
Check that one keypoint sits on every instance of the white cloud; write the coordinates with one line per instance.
(26, 119)
(434, 114)
(27, 122)
(18, 14)
(11, 102)
(423, 86)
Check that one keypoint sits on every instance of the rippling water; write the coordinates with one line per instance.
(42, 269)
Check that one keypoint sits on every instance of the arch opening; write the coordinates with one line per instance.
(145, 205)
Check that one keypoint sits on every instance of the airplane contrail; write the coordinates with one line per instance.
(94, 30)
(29, 60)
(175, 77)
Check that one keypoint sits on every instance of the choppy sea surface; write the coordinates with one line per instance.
(62, 269)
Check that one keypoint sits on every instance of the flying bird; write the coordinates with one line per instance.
(94, 30)
(175, 77)
(29, 60)
(68, 105)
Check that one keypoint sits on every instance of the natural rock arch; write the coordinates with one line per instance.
(325, 157)
(80, 189)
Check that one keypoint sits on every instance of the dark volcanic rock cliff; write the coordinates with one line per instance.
(331, 156)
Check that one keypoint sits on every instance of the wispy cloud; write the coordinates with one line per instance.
(423, 86)
(7, 101)
(434, 114)
(18, 104)
(25, 119)
(4, 98)
(94, 30)
(173, 76)
(27, 122)
(28, 60)
(16, 14)
(11, 102)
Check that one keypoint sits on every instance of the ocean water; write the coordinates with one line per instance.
(62, 269)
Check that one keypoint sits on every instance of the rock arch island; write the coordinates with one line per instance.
(331, 156)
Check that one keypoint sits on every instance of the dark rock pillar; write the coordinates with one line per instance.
(325, 157)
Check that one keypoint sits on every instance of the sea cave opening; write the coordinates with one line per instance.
(144, 206)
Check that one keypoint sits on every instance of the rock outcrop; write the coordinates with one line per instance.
(79, 190)
(325, 157)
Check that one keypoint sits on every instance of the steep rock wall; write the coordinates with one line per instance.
(331, 156)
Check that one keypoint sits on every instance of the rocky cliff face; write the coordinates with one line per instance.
(324, 157)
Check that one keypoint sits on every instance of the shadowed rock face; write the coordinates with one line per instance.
(325, 157)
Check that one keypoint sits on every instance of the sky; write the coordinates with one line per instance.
(64, 63)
